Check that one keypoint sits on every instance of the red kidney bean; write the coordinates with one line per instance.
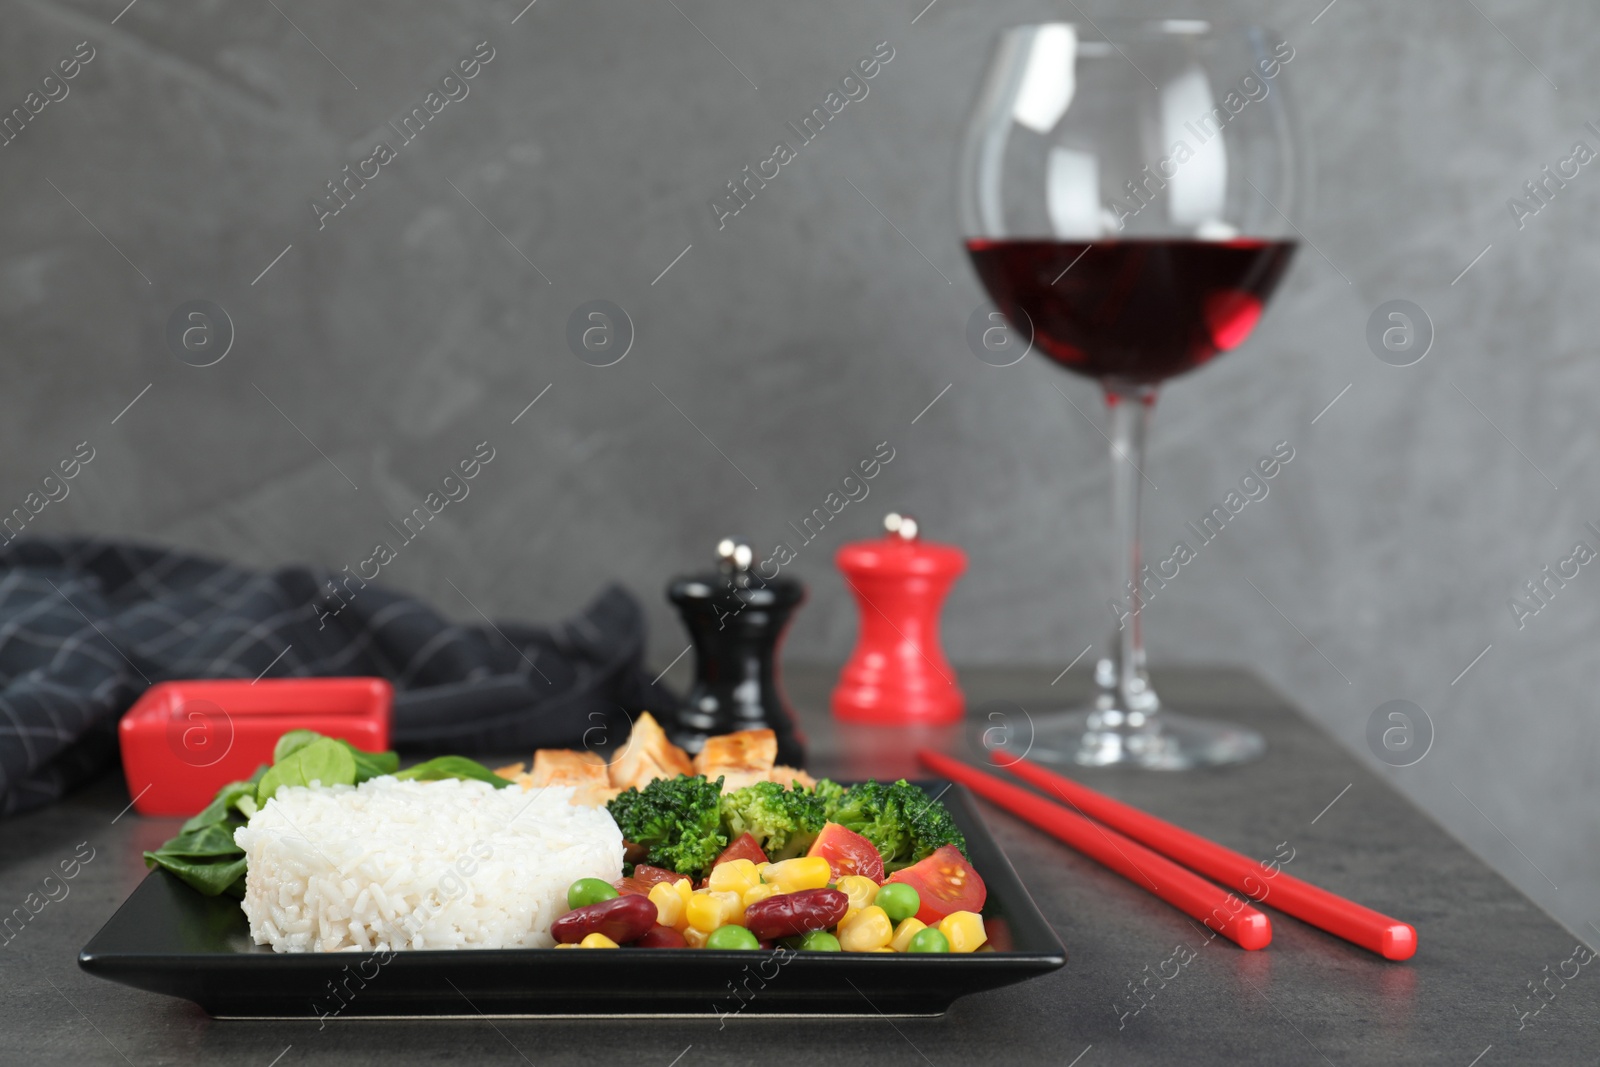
(622, 919)
(792, 914)
(660, 937)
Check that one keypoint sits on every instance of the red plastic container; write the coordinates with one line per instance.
(182, 741)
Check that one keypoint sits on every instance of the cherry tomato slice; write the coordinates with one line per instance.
(643, 878)
(946, 883)
(847, 852)
(745, 848)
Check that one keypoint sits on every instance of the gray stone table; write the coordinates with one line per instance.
(1309, 998)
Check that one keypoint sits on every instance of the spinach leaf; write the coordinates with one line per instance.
(204, 854)
(229, 796)
(214, 840)
(210, 877)
(370, 765)
(323, 760)
(292, 742)
(452, 767)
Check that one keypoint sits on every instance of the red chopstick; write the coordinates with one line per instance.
(1389, 938)
(1223, 912)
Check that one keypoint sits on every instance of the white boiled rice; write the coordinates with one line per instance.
(391, 865)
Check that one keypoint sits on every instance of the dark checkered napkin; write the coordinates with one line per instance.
(86, 626)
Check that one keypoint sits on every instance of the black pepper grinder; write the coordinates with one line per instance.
(736, 619)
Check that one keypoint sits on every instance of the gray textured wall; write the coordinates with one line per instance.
(416, 324)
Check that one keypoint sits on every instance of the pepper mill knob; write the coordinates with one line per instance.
(898, 674)
(734, 556)
(902, 526)
(736, 619)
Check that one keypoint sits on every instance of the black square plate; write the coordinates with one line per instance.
(167, 938)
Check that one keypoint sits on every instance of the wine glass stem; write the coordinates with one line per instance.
(1124, 684)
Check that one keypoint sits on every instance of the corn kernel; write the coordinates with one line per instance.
(734, 876)
(964, 930)
(870, 928)
(859, 888)
(849, 914)
(669, 906)
(566, 944)
(709, 910)
(761, 868)
(694, 938)
(802, 872)
(597, 940)
(903, 933)
(758, 892)
(704, 913)
(684, 890)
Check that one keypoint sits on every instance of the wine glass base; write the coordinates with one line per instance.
(1164, 741)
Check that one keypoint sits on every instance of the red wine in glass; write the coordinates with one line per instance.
(1130, 213)
(1137, 311)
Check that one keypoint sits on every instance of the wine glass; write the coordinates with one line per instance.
(1126, 196)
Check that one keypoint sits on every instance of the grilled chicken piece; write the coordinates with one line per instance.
(648, 755)
(753, 750)
(585, 772)
(788, 776)
(740, 759)
(735, 777)
(565, 766)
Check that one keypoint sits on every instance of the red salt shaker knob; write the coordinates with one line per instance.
(898, 674)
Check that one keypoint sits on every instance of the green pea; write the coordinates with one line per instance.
(898, 901)
(734, 937)
(819, 941)
(587, 891)
(929, 940)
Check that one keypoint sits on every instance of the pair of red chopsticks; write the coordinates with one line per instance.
(1111, 832)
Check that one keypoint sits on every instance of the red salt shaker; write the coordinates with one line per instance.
(898, 673)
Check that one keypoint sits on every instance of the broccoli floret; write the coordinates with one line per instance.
(678, 820)
(931, 826)
(783, 821)
(903, 823)
(872, 810)
(829, 792)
